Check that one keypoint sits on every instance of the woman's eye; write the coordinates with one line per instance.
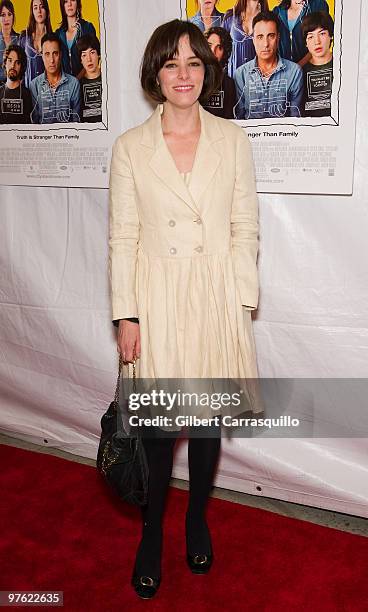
(194, 64)
(170, 65)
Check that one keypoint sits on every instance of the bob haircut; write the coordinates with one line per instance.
(64, 19)
(8, 5)
(31, 28)
(316, 20)
(21, 55)
(163, 45)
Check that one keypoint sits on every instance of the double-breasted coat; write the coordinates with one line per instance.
(183, 253)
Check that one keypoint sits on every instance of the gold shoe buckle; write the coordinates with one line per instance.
(146, 581)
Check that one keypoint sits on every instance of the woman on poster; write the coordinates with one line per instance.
(7, 35)
(291, 14)
(183, 251)
(207, 15)
(39, 23)
(238, 22)
(71, 29)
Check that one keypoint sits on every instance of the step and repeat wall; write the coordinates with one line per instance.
(58, 359)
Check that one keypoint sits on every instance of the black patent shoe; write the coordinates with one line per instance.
(200, 564)
(145, 586)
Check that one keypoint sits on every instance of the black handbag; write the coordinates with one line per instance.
(121, 458)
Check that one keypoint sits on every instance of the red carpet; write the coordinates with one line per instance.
(61, 529)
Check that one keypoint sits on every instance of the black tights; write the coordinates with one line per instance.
(202, 459)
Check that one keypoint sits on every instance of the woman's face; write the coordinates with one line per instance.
(297, 4)
(181, 78)
(39, 11)
(254, 4)
(6, 19)
(71, 8)
(207, 5)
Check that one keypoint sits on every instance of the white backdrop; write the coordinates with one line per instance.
(58, 356)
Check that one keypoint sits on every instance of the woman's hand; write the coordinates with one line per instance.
(129, 341)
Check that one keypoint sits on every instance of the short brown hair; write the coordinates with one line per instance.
(163, 45)
(318, 19)
(267, 16)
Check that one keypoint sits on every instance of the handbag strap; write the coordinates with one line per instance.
(117, 389)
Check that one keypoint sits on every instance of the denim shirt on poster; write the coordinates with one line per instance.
(278, 96)
(55, 105)
(216, 19)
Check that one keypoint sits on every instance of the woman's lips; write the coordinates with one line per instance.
(183, 88)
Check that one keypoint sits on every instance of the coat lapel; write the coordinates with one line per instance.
(207, 159)
(205, 163)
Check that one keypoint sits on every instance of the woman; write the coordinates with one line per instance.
(238, 22)
(207, 15)
(39, 24)
(183, 249)
(7, 35)
(291, 13)
(71, 29)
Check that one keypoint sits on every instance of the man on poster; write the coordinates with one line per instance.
(222, 102)
(268, 86)
(317, 30)
(55, 94)
(15, 98)
(89, 53)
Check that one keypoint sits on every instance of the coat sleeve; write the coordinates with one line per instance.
(124, 234)
(244, 225)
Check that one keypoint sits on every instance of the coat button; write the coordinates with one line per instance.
(172, 223)
(198, 220)
(173, 250)
(199, 249)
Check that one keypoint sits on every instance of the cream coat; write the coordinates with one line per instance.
(183, 257)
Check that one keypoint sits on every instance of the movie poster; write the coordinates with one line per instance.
(57, 119)
(291, 84)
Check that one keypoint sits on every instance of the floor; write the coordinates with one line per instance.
(337, 520)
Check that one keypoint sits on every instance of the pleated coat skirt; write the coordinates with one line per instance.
(183, 253)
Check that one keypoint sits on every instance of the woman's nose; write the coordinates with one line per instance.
(183, 72)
